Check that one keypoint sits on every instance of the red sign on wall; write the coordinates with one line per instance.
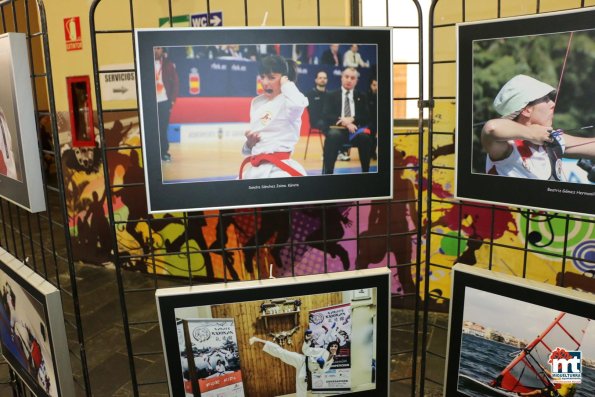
(72, 34)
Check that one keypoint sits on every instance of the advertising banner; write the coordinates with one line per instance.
(333, 324)
(215, 366)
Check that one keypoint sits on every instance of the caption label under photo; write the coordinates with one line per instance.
(274, 186)
(568, 191)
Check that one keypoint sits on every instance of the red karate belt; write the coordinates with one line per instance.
(273, 158)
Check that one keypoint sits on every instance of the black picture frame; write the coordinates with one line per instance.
(472, 287)
(20, 169)
(477, 83)
(165, 195)
(171, 299)
(32, 332)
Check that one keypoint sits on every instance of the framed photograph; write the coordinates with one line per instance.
(525, 134)
(32, 333)
(20, 169)
(255, 117)
(510, 336)
(81, 111)
(242, 335)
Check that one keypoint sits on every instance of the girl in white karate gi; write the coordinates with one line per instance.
(275, 122)
(315, 359)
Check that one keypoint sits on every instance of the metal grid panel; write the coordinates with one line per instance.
(42, 240)
(526, 249)
(135, 294)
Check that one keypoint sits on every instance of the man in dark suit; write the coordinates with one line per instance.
(316, 101)
(332, 56)
(346, 114)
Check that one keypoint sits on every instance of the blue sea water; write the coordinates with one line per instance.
(483, 360)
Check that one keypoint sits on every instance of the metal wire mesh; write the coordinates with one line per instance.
(131, 294)
(42, 240)
(525, 243)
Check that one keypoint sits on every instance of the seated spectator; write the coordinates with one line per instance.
(316, 101)
(373, 107)
(332, 56)
(346, 115)
(353, 58)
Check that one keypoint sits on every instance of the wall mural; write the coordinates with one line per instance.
(166, 236)
(89, 225)
(545, 232)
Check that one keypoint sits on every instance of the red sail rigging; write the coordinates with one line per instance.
(526, 372)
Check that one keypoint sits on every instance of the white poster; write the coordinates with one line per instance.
(330, 325)
(118, 83)
(214, 347)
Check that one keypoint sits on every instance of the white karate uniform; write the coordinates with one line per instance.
(278, 122)
(298, 361)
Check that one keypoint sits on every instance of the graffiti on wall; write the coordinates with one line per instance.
(519, 242)
(242, 244)
(230, 244)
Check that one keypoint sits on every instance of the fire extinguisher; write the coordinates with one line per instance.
(71, 28)
(194, 82)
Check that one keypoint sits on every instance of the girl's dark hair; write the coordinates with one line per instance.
(328, 347)
(277, 64)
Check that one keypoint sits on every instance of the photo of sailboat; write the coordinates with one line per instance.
(506, 346)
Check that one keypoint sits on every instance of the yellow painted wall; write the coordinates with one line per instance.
(7, 25)
(67, 63)
(115, 50)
